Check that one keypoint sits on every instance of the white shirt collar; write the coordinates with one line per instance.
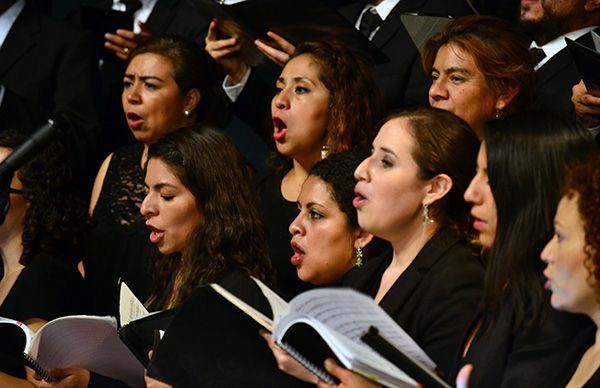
(8, 17)
(385, 8)
(554, 46)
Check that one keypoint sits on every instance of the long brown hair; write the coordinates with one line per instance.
(231, 232)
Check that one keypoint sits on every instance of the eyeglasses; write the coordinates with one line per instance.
(15, 191)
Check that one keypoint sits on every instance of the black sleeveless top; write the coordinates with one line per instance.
(118, 245)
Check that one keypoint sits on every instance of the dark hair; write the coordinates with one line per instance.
(337, 172)
(526, 157)
(582, 180)
(444, 144)
(500, 52)
(193, 68)
(56, 216)
(231, 232)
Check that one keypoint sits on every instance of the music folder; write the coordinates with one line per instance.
(587, 61)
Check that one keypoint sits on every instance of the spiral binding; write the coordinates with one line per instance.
(33, 364)
(319, 371)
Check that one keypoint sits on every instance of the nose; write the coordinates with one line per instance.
(296, 226)
(132, 94)
(361, 171)
(281, 99)
(471, 193)
(148, 209)
(438, 90)
(546, 255)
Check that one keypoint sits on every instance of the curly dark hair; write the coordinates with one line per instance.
(582, 180)
(231, 232)
(56, 216)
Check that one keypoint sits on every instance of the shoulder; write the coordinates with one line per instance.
(98, 183)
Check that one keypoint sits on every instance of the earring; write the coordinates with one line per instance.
(187, 113)
(324, 151)
(359, 257)
(497, 115)
(426, 219)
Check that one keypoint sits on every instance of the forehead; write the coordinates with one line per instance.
(396, 136)
(567, 213)
(302, 66)
(158, 171)
(150, 64)
(314, 189)
(453, 56)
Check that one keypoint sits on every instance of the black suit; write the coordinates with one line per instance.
(402, 79)
(434, 299)
(556, 78)
(49, 65)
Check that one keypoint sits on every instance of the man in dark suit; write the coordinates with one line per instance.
(549, 22)
(47, 66)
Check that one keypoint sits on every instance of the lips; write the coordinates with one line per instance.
(279, 129)
(156, 235)
(298, 255)
(134, 120)
(359, 198)
(478, 224)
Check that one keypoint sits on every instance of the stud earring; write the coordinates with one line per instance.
(324, 151)
(426, 219)
(497, 115)
(187, 113)
(359, 257)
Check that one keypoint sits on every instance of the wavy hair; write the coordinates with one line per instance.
(582, 180)
(231, 232)
(526, 158)
(56, 216)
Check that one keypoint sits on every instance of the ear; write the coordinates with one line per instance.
(362, 238)
(505, 99)
(437, 188)
(192, 99)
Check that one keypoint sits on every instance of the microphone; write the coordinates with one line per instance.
(56, 125)
(42, 137)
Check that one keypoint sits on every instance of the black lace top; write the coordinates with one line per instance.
(118, 245)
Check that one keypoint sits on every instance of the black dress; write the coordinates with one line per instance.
(507, 356)
(435, 297)
(278, 213)
(577, 348)
(118, 245)
(47, 288)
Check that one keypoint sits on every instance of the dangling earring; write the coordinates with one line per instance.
(426, 219)
(187, 113)
(358, 257)
(324, 151)
(497, 115)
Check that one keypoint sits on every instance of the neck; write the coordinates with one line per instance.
(408, 245)
(11, 252)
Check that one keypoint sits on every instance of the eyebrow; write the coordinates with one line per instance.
(296, 79)
(161, 185)
(144, 77)
(454, 69)
(315, 204)
(387, 151)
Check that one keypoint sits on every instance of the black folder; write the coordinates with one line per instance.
(412, 368)
(587, 61)
(99, 21)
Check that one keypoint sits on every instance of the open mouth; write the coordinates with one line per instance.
(279, 129)
(298, 255)
(359, 199)
(134, 120)
(156, 235)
